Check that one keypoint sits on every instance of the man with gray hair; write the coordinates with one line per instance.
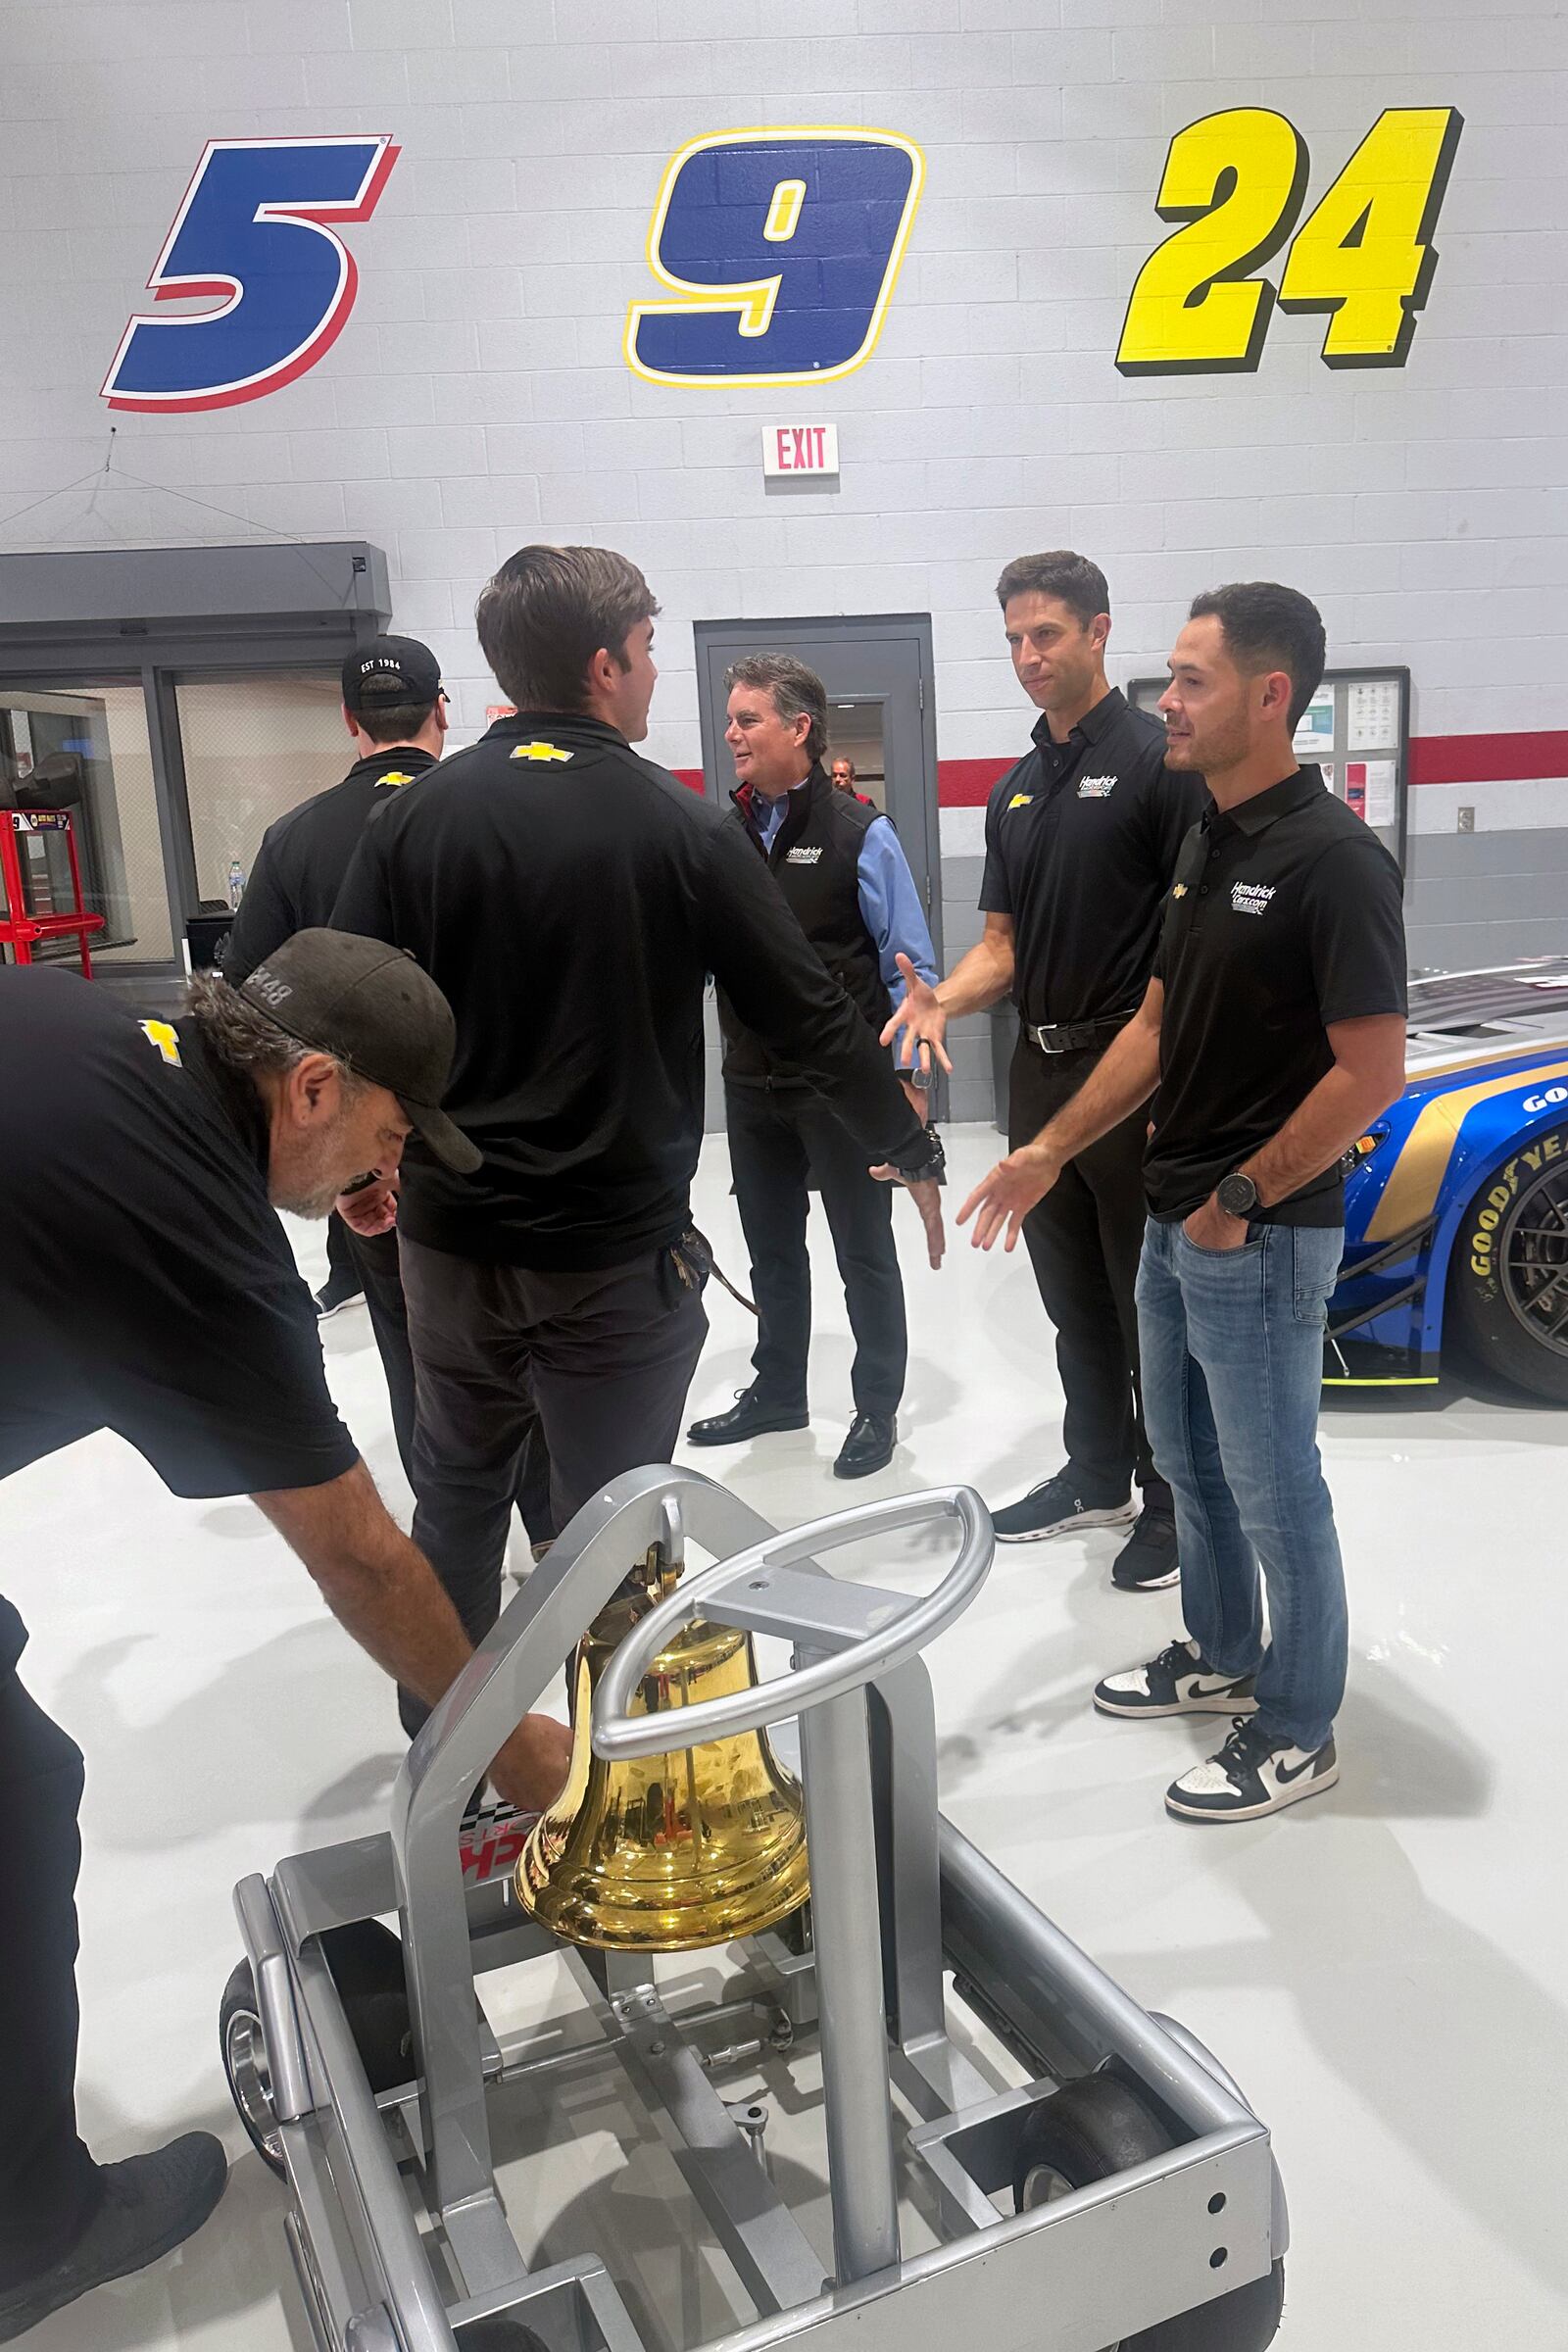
(147, 1288)
(839, 865)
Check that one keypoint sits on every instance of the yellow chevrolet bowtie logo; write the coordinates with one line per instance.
(1180, 891)
(540, 751)
(397, 775)
(1020, 800)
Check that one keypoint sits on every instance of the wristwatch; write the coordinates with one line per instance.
(1237, 1195)
(929, 1159)
(916, 1077)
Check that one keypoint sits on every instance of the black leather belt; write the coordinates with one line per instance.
(1074, 1037)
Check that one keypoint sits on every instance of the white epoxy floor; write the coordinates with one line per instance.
(1386, 1970)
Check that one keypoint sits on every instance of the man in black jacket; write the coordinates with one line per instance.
(570, 900)
(394, 707)
(838, 862)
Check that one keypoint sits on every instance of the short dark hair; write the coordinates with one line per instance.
(393, 722)
(1269, 627)
(1079, 584)
(794, 689)
(547, 612)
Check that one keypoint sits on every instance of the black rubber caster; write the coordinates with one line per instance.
(367, 1964)
(1094, 2128)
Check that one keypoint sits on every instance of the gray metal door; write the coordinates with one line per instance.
(879, 680)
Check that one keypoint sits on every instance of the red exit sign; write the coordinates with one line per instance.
(799, 449)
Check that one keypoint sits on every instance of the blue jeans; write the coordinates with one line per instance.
(1232, 1349)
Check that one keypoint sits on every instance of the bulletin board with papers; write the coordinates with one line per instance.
(1357, 729)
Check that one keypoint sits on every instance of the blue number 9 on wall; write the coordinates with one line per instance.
(781, 249)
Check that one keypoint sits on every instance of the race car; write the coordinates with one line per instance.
(1456, 1210)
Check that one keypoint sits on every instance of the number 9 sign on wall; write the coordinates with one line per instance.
(256, 229)
(781, 249)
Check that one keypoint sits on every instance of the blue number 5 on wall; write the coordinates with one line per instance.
(255, 230)
(781, 249)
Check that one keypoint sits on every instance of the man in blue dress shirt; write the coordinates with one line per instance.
(839, 863)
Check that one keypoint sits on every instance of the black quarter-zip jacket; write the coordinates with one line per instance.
(300, 867)
(571, 899)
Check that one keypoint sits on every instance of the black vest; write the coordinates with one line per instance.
(814, 859)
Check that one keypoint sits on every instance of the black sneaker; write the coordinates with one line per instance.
(1176, 1683)
(337, 1292)
(1057, 1506)
(1254, 1773)
(150, 2205)
(1146, 1562)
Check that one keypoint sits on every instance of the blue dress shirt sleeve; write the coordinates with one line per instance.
(891, 909)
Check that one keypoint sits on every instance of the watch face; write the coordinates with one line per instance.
(1238, 1196)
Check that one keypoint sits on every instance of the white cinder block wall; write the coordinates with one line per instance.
(478, 394)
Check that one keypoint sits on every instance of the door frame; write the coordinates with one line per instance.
(799, 635)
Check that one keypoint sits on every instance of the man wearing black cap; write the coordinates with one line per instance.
(394, 707)
(395, 712)
(148, 1288)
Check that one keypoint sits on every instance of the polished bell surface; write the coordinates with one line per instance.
(668, 1853)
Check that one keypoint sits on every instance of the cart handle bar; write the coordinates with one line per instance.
(619, 1735)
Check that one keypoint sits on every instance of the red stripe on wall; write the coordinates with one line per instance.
(1434, 759)
(1487, 758)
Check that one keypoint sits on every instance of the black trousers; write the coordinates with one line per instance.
(379, 1269)
(49, 2184)
(778, 1140)
(604, 1359)
(1084, 1241)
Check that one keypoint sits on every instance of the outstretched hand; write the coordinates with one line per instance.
(922, 1019)
(1005, 1196)
(927, 1194)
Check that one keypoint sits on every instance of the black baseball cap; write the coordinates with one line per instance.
(390, 670)
(373, 1007)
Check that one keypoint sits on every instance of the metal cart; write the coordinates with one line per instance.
(1123, 2194)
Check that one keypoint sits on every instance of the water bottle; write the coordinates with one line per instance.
(236, 884)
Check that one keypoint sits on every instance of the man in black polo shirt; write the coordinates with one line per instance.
(1275, 1025)
(571, 899)
(146, 1287)
(395, 708)
(1081, 841)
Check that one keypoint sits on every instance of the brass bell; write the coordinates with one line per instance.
(669, 1854)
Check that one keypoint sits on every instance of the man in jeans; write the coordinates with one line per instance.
(1274, 1023)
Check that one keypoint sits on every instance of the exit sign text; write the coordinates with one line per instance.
(799, 449)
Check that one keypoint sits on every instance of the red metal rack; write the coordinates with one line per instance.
(23, 921)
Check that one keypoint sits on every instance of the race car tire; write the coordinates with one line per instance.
(1485, 1280)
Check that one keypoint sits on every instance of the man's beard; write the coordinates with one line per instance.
(313, 1185)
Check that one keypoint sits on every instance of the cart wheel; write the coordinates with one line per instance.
(1090, 2129)
(367, 1964)
(1242, 2322)
(250, 2079)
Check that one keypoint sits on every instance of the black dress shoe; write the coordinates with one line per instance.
(750, 1416)
(869, 1446)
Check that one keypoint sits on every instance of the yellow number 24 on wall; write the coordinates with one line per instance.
(1237, 182)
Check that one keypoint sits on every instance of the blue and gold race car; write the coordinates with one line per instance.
(1456, 1212)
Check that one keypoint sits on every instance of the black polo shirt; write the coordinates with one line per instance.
(1081, 842)
(300, 867)
(146, 1284)
(1286, 916)
(569, 899)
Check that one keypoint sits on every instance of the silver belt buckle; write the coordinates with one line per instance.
(1044, 1034)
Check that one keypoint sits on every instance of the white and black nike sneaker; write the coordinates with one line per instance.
(1057, 1506)
(1254, 1773)
(1178, 1682)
